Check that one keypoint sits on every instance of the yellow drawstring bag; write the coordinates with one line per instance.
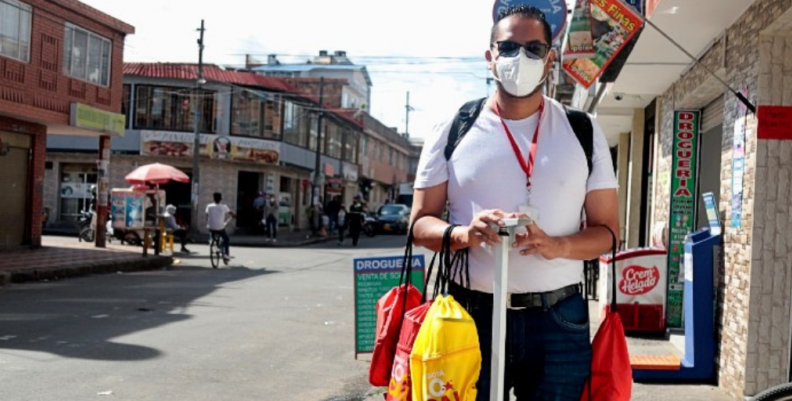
(446, 359)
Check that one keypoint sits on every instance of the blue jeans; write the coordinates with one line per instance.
(226, 241)
(549, 349)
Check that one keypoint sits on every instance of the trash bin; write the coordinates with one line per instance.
(641, 277)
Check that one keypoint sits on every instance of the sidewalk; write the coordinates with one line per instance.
(61, 257)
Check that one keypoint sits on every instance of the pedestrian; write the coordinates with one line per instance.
(342, 213)
(174, 228)
(271, 219)
(258, 207)
(355, 219)
(522, 157)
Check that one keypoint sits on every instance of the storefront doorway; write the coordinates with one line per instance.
(248, 186)
(76, 181)
(15, 155)
(711, 149)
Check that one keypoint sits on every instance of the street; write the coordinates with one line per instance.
(276, 324)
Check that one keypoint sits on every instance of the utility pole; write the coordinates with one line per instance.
(197, 140)
(407, 117)
(317, 167)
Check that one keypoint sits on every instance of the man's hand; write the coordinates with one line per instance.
(536, 241)
(479, 230)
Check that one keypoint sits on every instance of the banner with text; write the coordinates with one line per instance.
(180, 144)
(683, 206)
(612, 24)
(373, 278)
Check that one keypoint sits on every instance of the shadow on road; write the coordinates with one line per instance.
(83, 318)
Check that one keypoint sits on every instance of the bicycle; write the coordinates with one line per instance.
(217, 247)
(782, 392)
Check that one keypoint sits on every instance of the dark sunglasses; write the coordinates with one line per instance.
(534, 50)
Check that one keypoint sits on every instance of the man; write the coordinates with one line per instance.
(355, 219)
(172, 226)
(258, 206)
(271, 219)
(216, 214)
(490, 176)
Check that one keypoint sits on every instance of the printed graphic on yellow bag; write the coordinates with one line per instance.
(446, 360)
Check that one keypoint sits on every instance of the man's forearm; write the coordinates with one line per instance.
(587, 244)
(428, 233)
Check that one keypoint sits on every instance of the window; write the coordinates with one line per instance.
(86, 56)
(15, 29)
(166, 108)
(246, 112)
(351, 146)
(126, 93)
(272, 117)
(312, 121)
(334, 137)
(294, 125)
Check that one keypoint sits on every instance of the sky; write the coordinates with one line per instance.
(433, 49)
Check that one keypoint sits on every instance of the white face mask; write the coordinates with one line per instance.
(519, 75)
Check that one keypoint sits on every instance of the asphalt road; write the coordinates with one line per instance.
(276, 324)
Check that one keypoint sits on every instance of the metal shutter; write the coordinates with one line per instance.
(712, 116)
(14, 168)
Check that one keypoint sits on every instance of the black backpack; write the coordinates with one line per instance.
(467, 115)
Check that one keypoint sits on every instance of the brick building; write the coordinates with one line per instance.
(271, 127)
(749, 45)
(60, 70)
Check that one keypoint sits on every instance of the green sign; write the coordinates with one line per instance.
(94, 119)
(682, 220)
(373, 278)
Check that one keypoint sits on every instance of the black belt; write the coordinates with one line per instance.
(516, 301)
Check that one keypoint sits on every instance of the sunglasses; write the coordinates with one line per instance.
(534, 50)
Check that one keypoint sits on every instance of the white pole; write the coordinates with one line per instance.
(500, 289)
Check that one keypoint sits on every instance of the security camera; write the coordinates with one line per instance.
(618, 96)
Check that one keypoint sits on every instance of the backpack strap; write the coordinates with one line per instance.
(463, 121)
(584, 131)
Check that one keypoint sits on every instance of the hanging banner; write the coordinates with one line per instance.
(738, 171)
(555, 12)
(580, 43)
(775, 122)
(180, 144)
(613, 24)
(683, 206)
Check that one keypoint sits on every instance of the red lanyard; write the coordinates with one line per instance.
(527, 166)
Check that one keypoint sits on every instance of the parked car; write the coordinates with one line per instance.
(394, 218)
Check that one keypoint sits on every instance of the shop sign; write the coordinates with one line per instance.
(94, 119)
(180, 144)
(738, 172)
(350, 171)
(373, 278)
(775, 122)
(555, 12)
(683, 205)
(597, 38)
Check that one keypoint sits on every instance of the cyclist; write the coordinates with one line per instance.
(216, 221)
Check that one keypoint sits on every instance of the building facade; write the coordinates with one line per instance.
(749, 46)
(60, 72)
(258, 134)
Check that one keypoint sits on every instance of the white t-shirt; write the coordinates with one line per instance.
(484, 173)
(216, 216)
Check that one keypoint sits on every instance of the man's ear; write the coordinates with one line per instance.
(551, 57)
(488, 55)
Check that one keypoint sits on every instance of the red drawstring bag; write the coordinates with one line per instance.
(400, 387)
(611, 372)
(390, 311)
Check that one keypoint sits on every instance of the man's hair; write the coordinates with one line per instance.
(217, 197)
(523, 11)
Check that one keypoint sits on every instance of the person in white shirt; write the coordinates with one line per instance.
(216, 214)
(491, 175)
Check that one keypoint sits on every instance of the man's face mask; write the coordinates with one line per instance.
(521, 69)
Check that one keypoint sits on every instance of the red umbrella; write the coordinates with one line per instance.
(156, 174)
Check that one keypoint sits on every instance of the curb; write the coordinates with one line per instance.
(60, 272)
